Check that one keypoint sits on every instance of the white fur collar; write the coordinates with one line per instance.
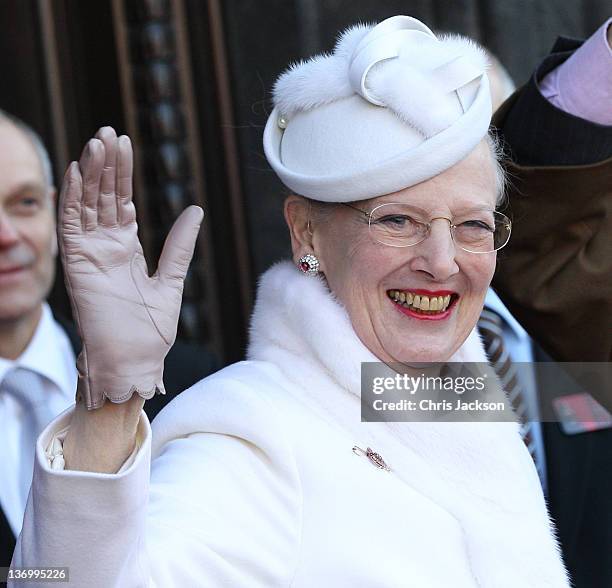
(481, 473)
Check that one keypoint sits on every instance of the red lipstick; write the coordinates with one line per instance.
(439, 316)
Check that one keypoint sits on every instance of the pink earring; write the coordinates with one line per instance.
(309, 264)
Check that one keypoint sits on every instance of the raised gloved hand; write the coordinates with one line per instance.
(127, 319)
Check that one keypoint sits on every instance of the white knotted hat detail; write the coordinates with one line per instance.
(391, 107)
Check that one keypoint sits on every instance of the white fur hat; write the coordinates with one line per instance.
(392, 106)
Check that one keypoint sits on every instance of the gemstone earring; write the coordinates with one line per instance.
(309, 264)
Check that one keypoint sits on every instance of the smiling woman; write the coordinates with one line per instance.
(401, 242)
(257, 476)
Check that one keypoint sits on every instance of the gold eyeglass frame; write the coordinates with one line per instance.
(368, 215)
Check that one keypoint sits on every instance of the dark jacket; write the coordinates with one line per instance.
(555, 274)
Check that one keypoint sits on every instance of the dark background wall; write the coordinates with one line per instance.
(190, 81)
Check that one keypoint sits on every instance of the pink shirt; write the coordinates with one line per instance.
(582, 85)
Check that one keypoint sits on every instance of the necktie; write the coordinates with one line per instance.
(490, 326)
(26, 388)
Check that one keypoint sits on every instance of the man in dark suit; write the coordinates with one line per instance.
(555, 276)
(574, 466)
(38, 351)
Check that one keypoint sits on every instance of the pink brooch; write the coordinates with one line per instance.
(375, 458)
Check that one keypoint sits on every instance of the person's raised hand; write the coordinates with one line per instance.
(127, 319)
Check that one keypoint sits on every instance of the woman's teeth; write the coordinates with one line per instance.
(430, 304)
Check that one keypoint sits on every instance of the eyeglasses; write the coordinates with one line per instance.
(401, 225)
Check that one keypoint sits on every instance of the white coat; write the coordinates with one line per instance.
(253, 481)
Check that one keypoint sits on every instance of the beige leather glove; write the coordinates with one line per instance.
(127, 319)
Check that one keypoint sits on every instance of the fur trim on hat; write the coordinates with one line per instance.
(321, 79)
(410, 93)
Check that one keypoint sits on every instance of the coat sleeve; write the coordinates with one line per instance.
(554, 275)
(217, 510)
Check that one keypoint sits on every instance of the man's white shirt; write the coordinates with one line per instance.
(50, 355)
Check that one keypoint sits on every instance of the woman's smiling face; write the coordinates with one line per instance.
(366, 276)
